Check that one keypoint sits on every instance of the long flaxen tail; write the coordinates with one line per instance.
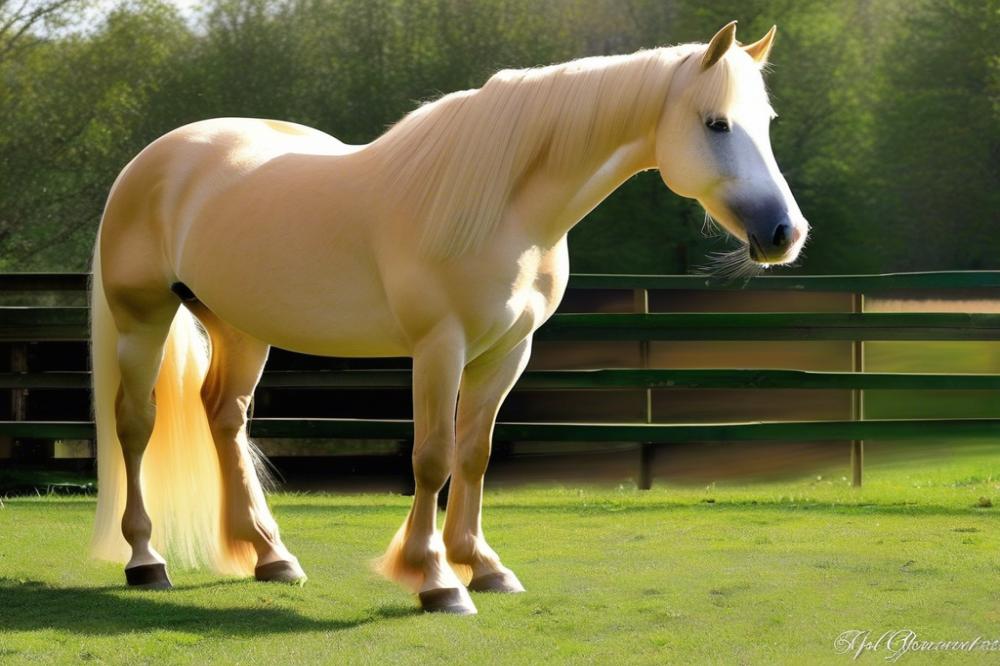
(181, 478)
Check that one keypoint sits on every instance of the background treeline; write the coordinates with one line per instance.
(888, 128)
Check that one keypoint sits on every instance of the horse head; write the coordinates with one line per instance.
(713, 145)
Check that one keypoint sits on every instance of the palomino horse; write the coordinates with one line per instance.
(443, 240)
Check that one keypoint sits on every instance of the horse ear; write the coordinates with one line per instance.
(760, 49)
(719, 45)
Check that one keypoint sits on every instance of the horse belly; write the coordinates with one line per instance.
(306, 292)
(327, 324)
(341, 329)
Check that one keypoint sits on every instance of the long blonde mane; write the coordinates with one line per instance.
(456, 161)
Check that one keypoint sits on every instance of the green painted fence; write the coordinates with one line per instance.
(659, 433)
(21, 324)
(70, 323)
(580, 379)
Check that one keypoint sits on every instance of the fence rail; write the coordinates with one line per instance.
(71, 323)
(22, 324)
(659, 433)
(869, 284)
(540, 380)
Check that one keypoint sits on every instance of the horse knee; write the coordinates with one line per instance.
(431, 457)
(473, 457)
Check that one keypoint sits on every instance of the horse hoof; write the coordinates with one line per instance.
(148, 577)
(454, 600)
(281, 571)
(502, 581)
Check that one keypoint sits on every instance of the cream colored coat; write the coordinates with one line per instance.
(444, 240)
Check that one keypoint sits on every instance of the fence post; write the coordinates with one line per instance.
(857, 397)
(647, 450)
(18, 397)
(25, 449)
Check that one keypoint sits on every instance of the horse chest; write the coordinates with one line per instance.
(532, 295)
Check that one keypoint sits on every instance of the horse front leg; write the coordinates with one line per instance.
(416, 557)
(485, 384)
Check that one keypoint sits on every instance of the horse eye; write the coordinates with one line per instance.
(717, 124)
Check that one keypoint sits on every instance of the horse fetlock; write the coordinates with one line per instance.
(247, 523)
(437, 574)
(244, 523)
(462, 549)
(265, 528)
(268, 544)
(144, 554)
(472, 557)
(136, 526)
(418, 552)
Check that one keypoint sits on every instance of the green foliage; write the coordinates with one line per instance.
(887, 130)
(75, 111)
(945, 175)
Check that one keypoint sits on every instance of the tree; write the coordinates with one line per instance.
(19, 20)
(75, 110)
(937, 147)
(887, 131)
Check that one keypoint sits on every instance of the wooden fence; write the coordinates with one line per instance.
(21, 324)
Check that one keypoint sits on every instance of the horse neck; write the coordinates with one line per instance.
(554, 202)
(542, 146)
(557, 193)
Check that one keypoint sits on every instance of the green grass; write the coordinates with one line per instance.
(756, 574)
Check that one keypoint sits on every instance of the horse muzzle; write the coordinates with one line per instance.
(778, 243)
(774, 233)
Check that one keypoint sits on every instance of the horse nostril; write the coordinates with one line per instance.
(782, 235)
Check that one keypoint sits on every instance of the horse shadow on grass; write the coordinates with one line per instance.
(28, 605)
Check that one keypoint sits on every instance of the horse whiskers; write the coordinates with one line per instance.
(731, 265)
(710, 228)
(799, 260)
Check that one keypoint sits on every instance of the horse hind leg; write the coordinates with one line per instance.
(143, 326)
(249, 531)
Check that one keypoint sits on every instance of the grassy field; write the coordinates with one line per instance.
(742, 574)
